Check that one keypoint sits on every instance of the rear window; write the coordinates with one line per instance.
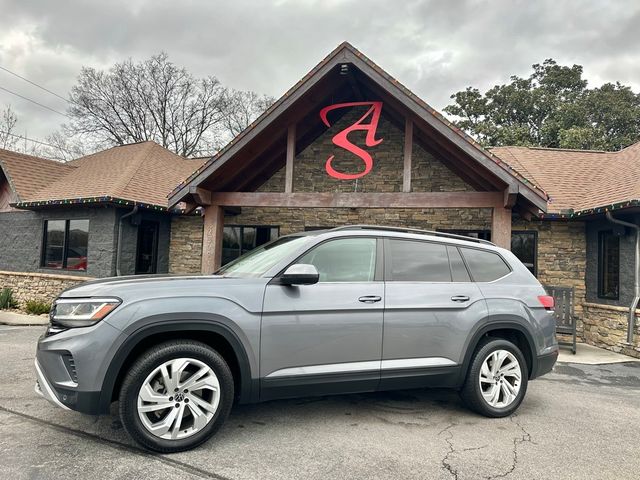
(484, 266)
(413, 261)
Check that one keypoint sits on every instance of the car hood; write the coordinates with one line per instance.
(150, 286)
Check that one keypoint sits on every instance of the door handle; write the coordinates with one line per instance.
(460, 298)
(370, 299)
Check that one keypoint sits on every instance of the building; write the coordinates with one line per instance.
(100, 215)
(348, 144)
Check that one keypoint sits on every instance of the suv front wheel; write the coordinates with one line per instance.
(176, 396)
(497, 379)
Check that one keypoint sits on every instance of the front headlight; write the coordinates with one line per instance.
(82, 312)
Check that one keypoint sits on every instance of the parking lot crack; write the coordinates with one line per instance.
(446, 461)
(517, 442)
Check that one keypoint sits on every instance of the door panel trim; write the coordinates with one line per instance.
(417, 363)
(338, 368)
(326, 369)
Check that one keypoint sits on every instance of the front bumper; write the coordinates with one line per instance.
(71, 365)
(44, 389)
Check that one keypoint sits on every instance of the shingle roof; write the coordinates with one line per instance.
(141, 173)
(579, 181)
(27, 174)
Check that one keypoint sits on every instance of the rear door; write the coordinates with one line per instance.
(326, 337)
(431, 305)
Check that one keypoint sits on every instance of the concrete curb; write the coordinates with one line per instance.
(590, 355)
(11, 318)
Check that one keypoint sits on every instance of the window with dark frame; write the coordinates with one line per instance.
(64, 244)
(240, 239)
(524, 245)
(608, 265)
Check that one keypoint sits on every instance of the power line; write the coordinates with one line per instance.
(22, 137)
(33, 101)
(34, 84)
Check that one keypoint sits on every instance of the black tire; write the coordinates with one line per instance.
(471, 392)
(143, 367)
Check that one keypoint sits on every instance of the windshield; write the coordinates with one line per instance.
(259, 260)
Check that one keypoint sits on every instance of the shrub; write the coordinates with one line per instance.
(37, 307)
(6, 299)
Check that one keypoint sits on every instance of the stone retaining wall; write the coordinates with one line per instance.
(605, 326)
(37, 286)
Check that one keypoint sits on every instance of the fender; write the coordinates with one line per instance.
(481, 330)
(248, 391)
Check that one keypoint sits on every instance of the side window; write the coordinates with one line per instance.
(415, 261)
(344, 260)
(608, 265)
(484, 266)
(459, 272)
(524, 246)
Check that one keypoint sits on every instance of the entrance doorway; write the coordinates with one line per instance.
(147, 251)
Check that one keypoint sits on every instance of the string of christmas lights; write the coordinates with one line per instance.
(92, 200)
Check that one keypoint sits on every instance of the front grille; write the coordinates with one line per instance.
(70, 364)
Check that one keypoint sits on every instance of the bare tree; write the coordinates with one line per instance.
(8, 121)
(151, 100)
(63, 147)
(243, 108)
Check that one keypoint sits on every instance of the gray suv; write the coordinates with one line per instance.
(352, 309)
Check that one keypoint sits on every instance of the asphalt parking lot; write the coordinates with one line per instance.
(581, 421)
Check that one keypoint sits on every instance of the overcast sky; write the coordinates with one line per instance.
(434, 47)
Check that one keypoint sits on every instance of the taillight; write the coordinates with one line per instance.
(546, 301)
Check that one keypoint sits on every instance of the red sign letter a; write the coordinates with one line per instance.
(341, 140)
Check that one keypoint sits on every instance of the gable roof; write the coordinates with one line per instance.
(27, 174)
(139, 173)
(580, 182)
(345, 53)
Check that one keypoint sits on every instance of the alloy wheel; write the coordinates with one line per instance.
(500, 378)
(178, 398)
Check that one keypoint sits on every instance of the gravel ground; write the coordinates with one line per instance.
(581, 421)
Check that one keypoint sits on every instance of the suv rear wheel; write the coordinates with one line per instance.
(497, 379)
(176, 396)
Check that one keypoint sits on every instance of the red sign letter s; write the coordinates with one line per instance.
(341, 140)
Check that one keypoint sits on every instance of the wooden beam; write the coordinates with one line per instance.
(212, 238)
(291, 154)
(200, 195)
(501, 227)
(360, 200)
(408, 152)
(187, 207)
(510, 196)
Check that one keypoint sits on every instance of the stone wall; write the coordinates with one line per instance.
(605, 326)
(37, 286)
(186, 232)
(185, 246)
(561, 259)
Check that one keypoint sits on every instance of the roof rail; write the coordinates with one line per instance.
(414, 230)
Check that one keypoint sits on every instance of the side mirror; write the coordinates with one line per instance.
(300, 274)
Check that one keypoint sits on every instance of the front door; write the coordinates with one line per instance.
(327, 337)
(147, 251)
(431, 305)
